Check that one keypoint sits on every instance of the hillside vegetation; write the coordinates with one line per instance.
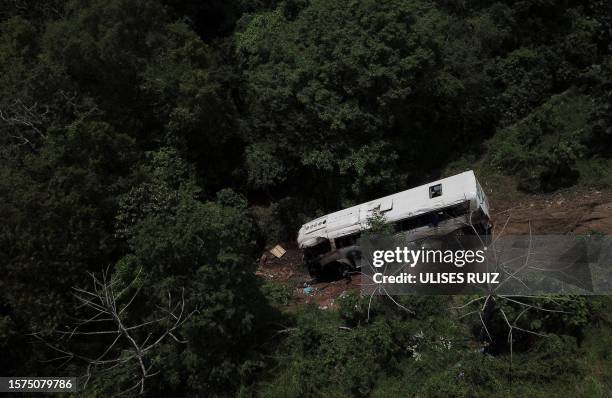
(165, 142)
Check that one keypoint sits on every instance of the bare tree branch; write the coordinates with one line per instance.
(131, 351)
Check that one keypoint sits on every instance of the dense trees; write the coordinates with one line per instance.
(86, 97)
(134, 136)
(369, 95)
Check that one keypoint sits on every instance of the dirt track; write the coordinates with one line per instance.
(571, 212)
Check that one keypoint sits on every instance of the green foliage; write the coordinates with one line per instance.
(543, 149)
(372, 166)
(335, 363)
(424, 307)
(354, 309)
(201, 248)
(264, 169)
(134, 136)
(377, 223)
(277, 292)
(299, 72)
(56, 215)
(527, 79)
(368, 95)
(396, 356)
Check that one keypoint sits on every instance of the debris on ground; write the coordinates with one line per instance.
(278, 251)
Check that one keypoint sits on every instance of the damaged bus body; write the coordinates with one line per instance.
(452, 204)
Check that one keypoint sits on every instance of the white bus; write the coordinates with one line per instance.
(452, 204)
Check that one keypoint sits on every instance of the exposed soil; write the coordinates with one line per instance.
(568, 212)
(290, 269)
(571, 212)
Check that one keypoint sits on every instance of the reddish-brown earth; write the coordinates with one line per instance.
(575, 212)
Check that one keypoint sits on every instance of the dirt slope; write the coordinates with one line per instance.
(572, 212)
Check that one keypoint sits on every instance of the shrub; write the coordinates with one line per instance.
(276, 292)
(542, 150)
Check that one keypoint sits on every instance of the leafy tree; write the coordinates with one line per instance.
(56, 209)
(334, 85)
(205, 248)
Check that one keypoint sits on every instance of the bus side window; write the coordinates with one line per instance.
(349, 240)
(435, 191)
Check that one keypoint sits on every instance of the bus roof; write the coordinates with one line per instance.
(412, 202)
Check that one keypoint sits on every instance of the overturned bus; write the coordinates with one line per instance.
(455, 204)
